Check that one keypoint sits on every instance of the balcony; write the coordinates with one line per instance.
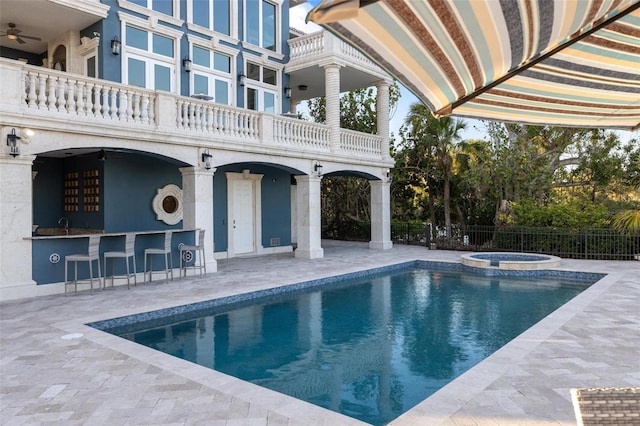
(310, 53)
(38, 97)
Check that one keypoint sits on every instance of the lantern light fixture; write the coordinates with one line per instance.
(186, 63)
(206, 159)
(318, 169)
(287, 92)
(12, 142)
(242, 79)
(115, 46)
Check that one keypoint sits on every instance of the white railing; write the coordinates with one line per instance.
(308, 45)
(75, 95)
(30, 92)
(300, 133)
(216, 119)
(319, 45)
(360, 144)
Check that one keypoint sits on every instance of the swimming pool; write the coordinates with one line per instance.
(370, 347)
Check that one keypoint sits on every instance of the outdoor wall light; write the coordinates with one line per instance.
(12, 142)
(318, 169)
(206, 159)
(186, 63)
(287, 92)
(102, 155)
(115, 46)
(389, 176)
(242, 79)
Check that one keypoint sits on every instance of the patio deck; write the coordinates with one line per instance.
(102, 379)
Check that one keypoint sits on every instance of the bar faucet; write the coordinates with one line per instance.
(66, 224)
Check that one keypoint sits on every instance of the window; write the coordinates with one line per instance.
(150, 59)
(261, 88)
(162, 6)
(211, 73)
(260, 22)
(212, 14)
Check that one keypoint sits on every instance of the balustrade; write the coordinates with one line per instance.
(45, 93)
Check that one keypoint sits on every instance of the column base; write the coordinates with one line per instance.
(309, 254)
(380, 245)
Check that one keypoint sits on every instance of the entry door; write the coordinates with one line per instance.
(242, 221)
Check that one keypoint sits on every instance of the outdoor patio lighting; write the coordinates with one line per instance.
(302, 87)
(206, 159)
(12, 142)
(242, 79)
(115, 46)
(102, 155)
(318, 169)
(186, 63)
(287, 92)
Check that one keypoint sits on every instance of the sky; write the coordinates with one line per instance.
(475, 128)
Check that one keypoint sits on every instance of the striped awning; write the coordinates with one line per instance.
(552, 62)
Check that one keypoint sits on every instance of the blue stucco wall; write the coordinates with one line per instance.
(276, 204)
(47, 190)
(131, 182)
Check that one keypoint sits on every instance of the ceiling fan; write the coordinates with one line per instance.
(12, 34)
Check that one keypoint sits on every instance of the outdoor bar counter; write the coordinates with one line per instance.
(48, 251)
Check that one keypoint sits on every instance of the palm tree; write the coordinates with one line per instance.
(434, 139)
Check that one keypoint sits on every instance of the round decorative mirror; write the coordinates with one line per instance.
(167, 204)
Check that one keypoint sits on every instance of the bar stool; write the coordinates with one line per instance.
(93, 254)
(129, 252)
(166, 251)
(198, 252)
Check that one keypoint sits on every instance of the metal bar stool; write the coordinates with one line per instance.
(129, 252)
(166, 251)
(198, 254)
(93, 254)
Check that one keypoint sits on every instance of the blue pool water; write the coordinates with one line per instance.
(370, 348)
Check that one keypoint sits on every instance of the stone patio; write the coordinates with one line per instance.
(51, 374)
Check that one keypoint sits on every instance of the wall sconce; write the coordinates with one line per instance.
(186, 63)
(242, 79)
(102, 155)
(206, 159)
(115, 46)
(318, 169)
(389, 176)
(12, 142)
(287, 92)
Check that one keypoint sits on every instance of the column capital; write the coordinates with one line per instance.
(200, 171)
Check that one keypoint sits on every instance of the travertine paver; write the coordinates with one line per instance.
(103, 380)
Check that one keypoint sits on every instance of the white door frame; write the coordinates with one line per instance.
(256, 205)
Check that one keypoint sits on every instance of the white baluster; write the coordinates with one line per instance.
(41, 97)
(180, 107)
(145, 108)
(60, 98)
(80, 103)
(71, 96)
(113, 103)
(198, 121)
(209, 119)
(29, 89)
(52, 88)
(136, 107)
(130, 105)
(152, 109)
(123, 99)
(104, 101)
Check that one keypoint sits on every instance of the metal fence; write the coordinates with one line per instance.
(589, 243)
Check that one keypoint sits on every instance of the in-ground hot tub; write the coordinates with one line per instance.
(510, 261)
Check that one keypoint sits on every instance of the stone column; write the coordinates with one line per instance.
(197, 207)
(16, 214)
(382, 113)
(309, 237)
(380, 215)
(332, 88)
